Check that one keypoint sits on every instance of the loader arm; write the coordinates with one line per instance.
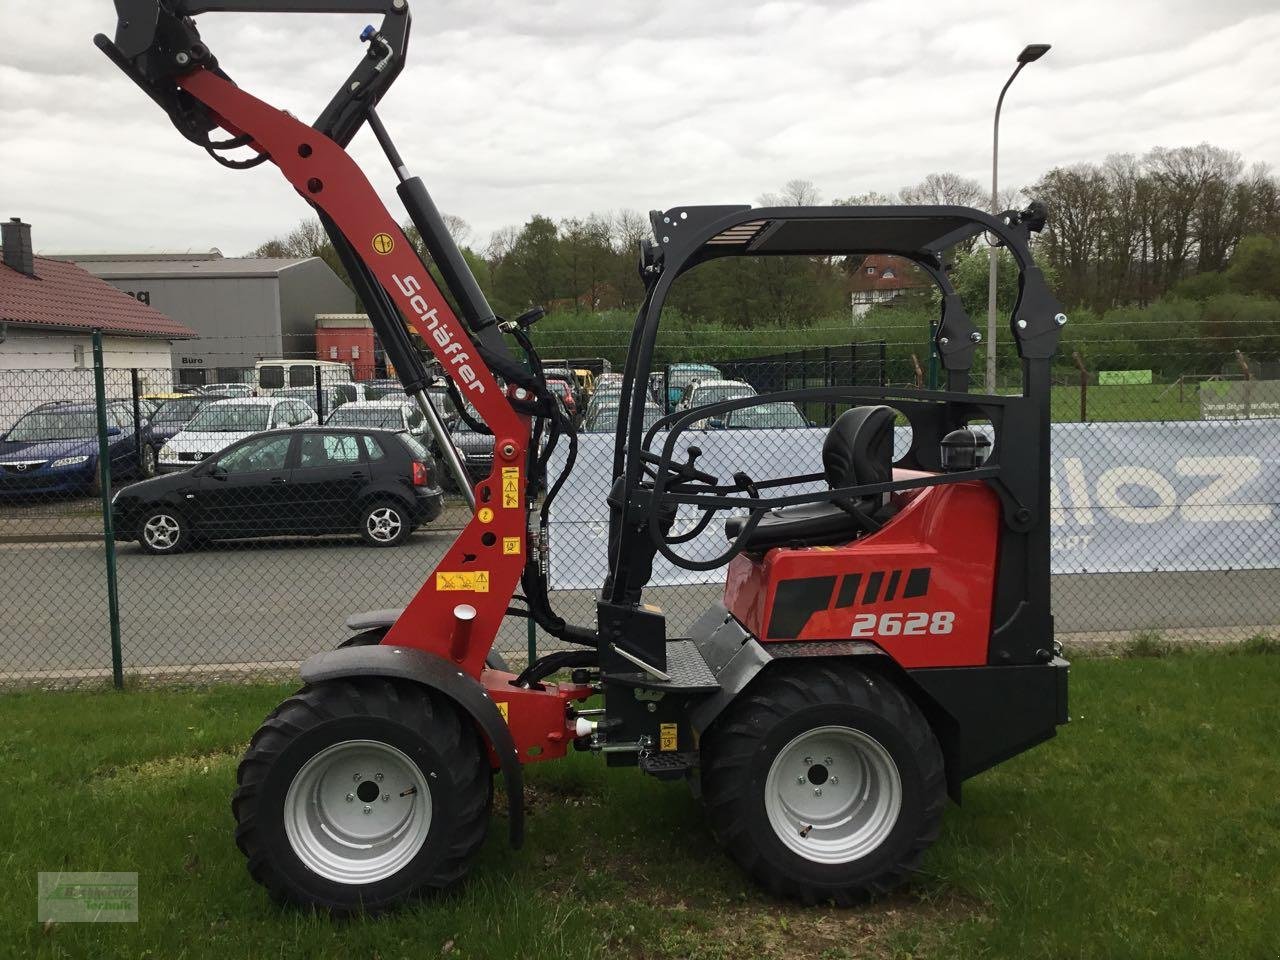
(457, 612)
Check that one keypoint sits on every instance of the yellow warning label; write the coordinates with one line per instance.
(475, 581)
(511, 546)
(505, 709)
(485, 515)
(511, 487)
(667, 736)
(382, 243)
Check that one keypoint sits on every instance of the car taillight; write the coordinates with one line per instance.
(421, 475)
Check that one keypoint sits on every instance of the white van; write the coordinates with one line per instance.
(273, 375)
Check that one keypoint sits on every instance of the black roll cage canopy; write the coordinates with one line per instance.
(652, 484)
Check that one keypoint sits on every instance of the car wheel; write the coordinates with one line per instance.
(384, 523)
(163, 530)
(824, 783)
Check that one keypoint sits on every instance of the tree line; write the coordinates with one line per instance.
(1130, 234)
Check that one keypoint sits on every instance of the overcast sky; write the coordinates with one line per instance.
(517, 107)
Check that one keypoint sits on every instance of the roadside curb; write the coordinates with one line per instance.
(51, 538)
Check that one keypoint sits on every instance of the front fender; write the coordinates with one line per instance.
(380, 660)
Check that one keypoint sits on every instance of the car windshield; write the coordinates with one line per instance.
(306, 394)
(683, 376)
(443, 402)
(179, 410)
(767, 416)
(605, 418)
(230, 418)
(55, 425)
(385, 418)
(701, 396)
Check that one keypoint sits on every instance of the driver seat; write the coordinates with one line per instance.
(858, 449)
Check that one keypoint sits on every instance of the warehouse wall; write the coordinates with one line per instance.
(308, 288)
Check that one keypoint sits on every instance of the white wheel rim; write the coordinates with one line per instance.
(833, 794)
(161, 531)
(357, 812)
(383, 524)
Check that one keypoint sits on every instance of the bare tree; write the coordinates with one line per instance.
(946, 189)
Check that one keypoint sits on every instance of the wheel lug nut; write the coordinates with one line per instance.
(368, 809)
(350, 797)
(800, 780)
(355, 778)
(809, 760)
(378, 777)
(835, 779)
(827, 761)
(817, 791)
(386, 797)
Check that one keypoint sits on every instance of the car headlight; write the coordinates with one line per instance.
(69, 462)
(167, 452)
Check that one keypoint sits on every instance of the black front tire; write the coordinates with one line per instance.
(740, 749)
(163, 531)
(425, 727)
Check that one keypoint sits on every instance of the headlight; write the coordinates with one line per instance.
(69, 462)
(167, 452)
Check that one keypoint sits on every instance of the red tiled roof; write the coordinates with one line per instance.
(62, 296)
(903, 274)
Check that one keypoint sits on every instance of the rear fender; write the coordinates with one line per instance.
(406, 663)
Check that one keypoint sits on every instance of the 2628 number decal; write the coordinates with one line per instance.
(868, 625)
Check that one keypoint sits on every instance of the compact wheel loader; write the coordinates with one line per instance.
(885, 631)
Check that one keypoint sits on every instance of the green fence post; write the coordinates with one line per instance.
(108, 532)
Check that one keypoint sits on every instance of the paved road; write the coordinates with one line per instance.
(282, 601)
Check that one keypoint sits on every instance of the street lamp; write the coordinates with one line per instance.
(1030, 54)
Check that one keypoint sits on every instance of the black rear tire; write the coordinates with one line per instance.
(384, 523)
(782, 707)
(425, 727)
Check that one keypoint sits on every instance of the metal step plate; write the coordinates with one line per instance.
(685, 666)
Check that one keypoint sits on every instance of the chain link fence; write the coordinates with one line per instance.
(1165, 504)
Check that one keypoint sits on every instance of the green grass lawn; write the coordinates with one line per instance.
(1149, 828)
(1137, 401)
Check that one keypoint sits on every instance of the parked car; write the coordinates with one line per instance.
(330, 398)
(570, 378)
(606, 393)
(227, 389)
(703, 392)
(765, 416)
(176, 412)
(54, 448)
(475, 449)
(604, 417)
(564, 391)
(681, 375)
(310, 482)
(402, 416)
(223, 422)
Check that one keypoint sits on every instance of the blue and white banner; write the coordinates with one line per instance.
(1127, 497)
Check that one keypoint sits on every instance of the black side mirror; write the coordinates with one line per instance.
(218, 472)
(715, 423)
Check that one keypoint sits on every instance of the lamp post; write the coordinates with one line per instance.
(1030, 54)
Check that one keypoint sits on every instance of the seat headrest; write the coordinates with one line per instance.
(859, 447)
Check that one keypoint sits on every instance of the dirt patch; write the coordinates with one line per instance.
(902, 925)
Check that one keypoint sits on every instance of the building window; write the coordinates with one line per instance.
(77, 356)
(871, 271)
(888, 274)
(355, 353)
(333, 353)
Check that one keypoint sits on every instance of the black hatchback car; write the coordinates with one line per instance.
(293, 482)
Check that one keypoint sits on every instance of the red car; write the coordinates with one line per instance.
(565, 392)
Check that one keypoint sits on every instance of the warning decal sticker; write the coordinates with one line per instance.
(511, 546)
(510, 487)
(474, 581)
(667, 736)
